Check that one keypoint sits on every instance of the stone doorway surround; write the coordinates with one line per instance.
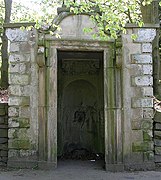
(111, 152)
(74, 39)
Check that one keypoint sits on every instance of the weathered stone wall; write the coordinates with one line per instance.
(137, 95)
(23, 100)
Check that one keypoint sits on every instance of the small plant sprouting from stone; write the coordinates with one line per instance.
(156, 104)
(4, 95)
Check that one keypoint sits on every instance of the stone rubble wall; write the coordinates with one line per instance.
(157, 138)
(137, 95)
(3, 134)
(157, 93)
(3, 125)
(23, 100)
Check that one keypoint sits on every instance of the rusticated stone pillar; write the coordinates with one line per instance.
(23, 100)
(137, 95)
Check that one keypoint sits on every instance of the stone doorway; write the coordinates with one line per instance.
(80, 105)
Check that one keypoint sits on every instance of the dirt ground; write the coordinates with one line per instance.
(77, 170)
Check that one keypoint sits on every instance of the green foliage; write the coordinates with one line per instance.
(110, 16)
(21, 13)
(134, 36)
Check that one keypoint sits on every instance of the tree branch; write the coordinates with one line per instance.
(129, 16)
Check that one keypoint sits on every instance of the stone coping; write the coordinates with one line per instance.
(129, 25)
(18, 25)
(146, 25)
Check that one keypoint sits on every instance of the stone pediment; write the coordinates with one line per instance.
(72, 26)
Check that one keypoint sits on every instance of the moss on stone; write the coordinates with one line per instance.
(146, 125)
(142, 146)
(149, 156)
(2, 112)
(19, 144)
(24, 122)
(54, 151)
(147, 136)
(25, 101)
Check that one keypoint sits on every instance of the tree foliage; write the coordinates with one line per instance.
(111, 16)
(41, 12)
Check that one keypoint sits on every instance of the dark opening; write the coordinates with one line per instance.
(80, 105)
